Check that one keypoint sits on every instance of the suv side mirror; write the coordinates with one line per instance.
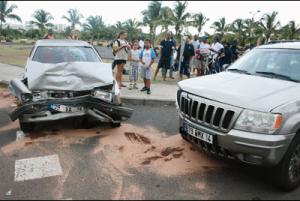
(225, 66)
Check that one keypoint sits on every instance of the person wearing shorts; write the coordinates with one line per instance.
(134, 58)
(121, 48)
(147, 57)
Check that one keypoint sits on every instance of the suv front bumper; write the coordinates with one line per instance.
(251, 148)
(39, 111)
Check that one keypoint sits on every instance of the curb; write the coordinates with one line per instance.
(128, 100)
(148, 102)
(4, 83)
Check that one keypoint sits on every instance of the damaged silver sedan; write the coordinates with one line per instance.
(64, 79)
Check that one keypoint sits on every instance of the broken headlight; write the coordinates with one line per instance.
(103, 95)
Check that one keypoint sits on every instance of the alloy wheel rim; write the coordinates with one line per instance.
(294, 166)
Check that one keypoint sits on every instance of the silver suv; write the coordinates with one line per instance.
(250, 112)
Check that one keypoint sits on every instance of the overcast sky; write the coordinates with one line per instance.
(122, 10)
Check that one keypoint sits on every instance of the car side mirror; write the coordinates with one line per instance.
(225, 66)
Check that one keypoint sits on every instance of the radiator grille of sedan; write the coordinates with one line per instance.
(206, 112)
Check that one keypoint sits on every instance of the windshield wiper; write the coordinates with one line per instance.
(239, 71)
(280, 76)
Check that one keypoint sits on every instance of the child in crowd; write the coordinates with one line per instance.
(134, 58)
(147, 57)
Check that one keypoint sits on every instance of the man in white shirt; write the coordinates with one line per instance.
(217, 48)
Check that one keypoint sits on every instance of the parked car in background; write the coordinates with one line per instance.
(64, 79)
(251, 112)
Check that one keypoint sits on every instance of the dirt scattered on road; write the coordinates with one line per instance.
(135, 137)
(6, 99)
(166, 156)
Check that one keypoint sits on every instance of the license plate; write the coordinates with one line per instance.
(64, 108)
(199, 134)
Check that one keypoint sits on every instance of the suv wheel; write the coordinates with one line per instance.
(27, 127)
(288, 170)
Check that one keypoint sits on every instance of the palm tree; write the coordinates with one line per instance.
(290, 31)
(151, 17)
(269, 24)
(94, 26)
(119, 25)
(41, 20)
(132, 28)
(220, 26)
(180, 16)
(165, 18)
(199, 20)
(238, 27)
(6, 12)
(73, 18)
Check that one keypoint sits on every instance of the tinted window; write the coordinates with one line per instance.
(55, 55)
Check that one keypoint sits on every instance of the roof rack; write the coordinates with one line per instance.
(282, 41)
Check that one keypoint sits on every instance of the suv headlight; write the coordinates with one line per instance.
(258, 122)
(107, 96)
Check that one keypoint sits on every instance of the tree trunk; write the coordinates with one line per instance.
(1, 28)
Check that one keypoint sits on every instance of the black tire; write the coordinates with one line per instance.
(27, 127)
(281, 174)
(115, 125)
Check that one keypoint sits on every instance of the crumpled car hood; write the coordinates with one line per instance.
(75, 76)
(245, 91)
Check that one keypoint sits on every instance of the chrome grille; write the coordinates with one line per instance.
(206, 112)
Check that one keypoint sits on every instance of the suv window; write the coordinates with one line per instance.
(53, 55)
(283, 62)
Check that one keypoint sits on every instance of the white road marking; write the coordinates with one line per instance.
(19, 135)
(37, 168)
(8, 193)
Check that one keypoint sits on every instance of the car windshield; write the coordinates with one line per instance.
(54, 55)
(275, 63)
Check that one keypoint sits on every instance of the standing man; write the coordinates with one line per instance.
(202, 57)
(188, 53)
(217, 49)
(121, 48)
(167, 46)
(196, 44)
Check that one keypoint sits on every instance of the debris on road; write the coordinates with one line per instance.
(135, 137)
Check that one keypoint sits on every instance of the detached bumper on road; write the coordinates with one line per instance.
(251, 148)
(105, 110)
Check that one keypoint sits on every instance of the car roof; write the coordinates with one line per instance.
(285, 45)
(58, 42)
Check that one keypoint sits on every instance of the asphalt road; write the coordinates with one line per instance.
(90, 170)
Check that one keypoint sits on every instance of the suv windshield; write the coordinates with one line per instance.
(54, 55)
(275, 63)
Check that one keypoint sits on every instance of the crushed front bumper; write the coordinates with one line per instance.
(250, 148)
(40, 111)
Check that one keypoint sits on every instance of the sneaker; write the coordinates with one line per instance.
(144, 89)
(148, 91)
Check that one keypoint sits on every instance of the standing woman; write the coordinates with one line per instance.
(121, 48)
